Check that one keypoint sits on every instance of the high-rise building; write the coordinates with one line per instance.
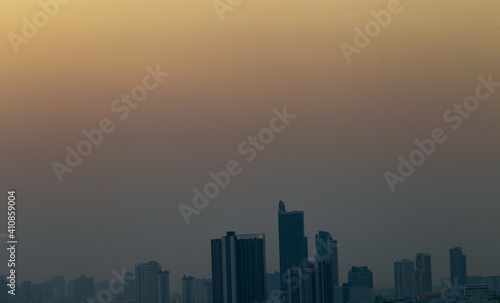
(404, 279)
(323, 274)
(164, 280)
(195, 290)
(84, 288)
(327, 249)
(147, 285)
(360, 277)
(239, 268)
(188, 290)
(360, 286)
(458, 266)
(423, 273)
(301, 283)
(59, 287)
(292, 240)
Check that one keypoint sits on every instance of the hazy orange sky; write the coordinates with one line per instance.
(119, 207)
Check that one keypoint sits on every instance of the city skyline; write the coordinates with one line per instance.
(404, 270)
(325, 244)
(152, 284)
(134, 131)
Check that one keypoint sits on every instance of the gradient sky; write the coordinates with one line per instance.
(119, 207)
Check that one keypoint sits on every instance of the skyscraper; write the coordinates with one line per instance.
(327, 249)
(292, 241)
(458, 266)
(423, 273)
(196, 290)
(84, 288)
(326, 267)
(360, 277)
(188, 289)
(404, 279)
(147, 282)
(301, 283)
(164, 280)
(239, 268)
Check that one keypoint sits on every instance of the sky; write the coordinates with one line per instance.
(227, 72)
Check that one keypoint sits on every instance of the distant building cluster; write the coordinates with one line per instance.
(239, 275)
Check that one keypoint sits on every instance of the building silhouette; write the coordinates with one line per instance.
(84, 288)
(423, 273)
(326, 267)
(164, 280)
(458, 266)
(129, 287)
(208, 291)
(301, 283)
(238, 268)
(404, 279)
(188, 289)
(292, 241)
(59, 288)
(360, 285)
(327, 248)
(147, 282)
(360, 277)
(196, 290)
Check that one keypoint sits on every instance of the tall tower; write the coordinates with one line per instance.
(404, 279)
(164, 280)
(188, 289)
(301, 283)
(147, 286)
(239, 268)
(292, 241)
(423, 273)
(458, 266)
(326, 267)
(327, 249)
